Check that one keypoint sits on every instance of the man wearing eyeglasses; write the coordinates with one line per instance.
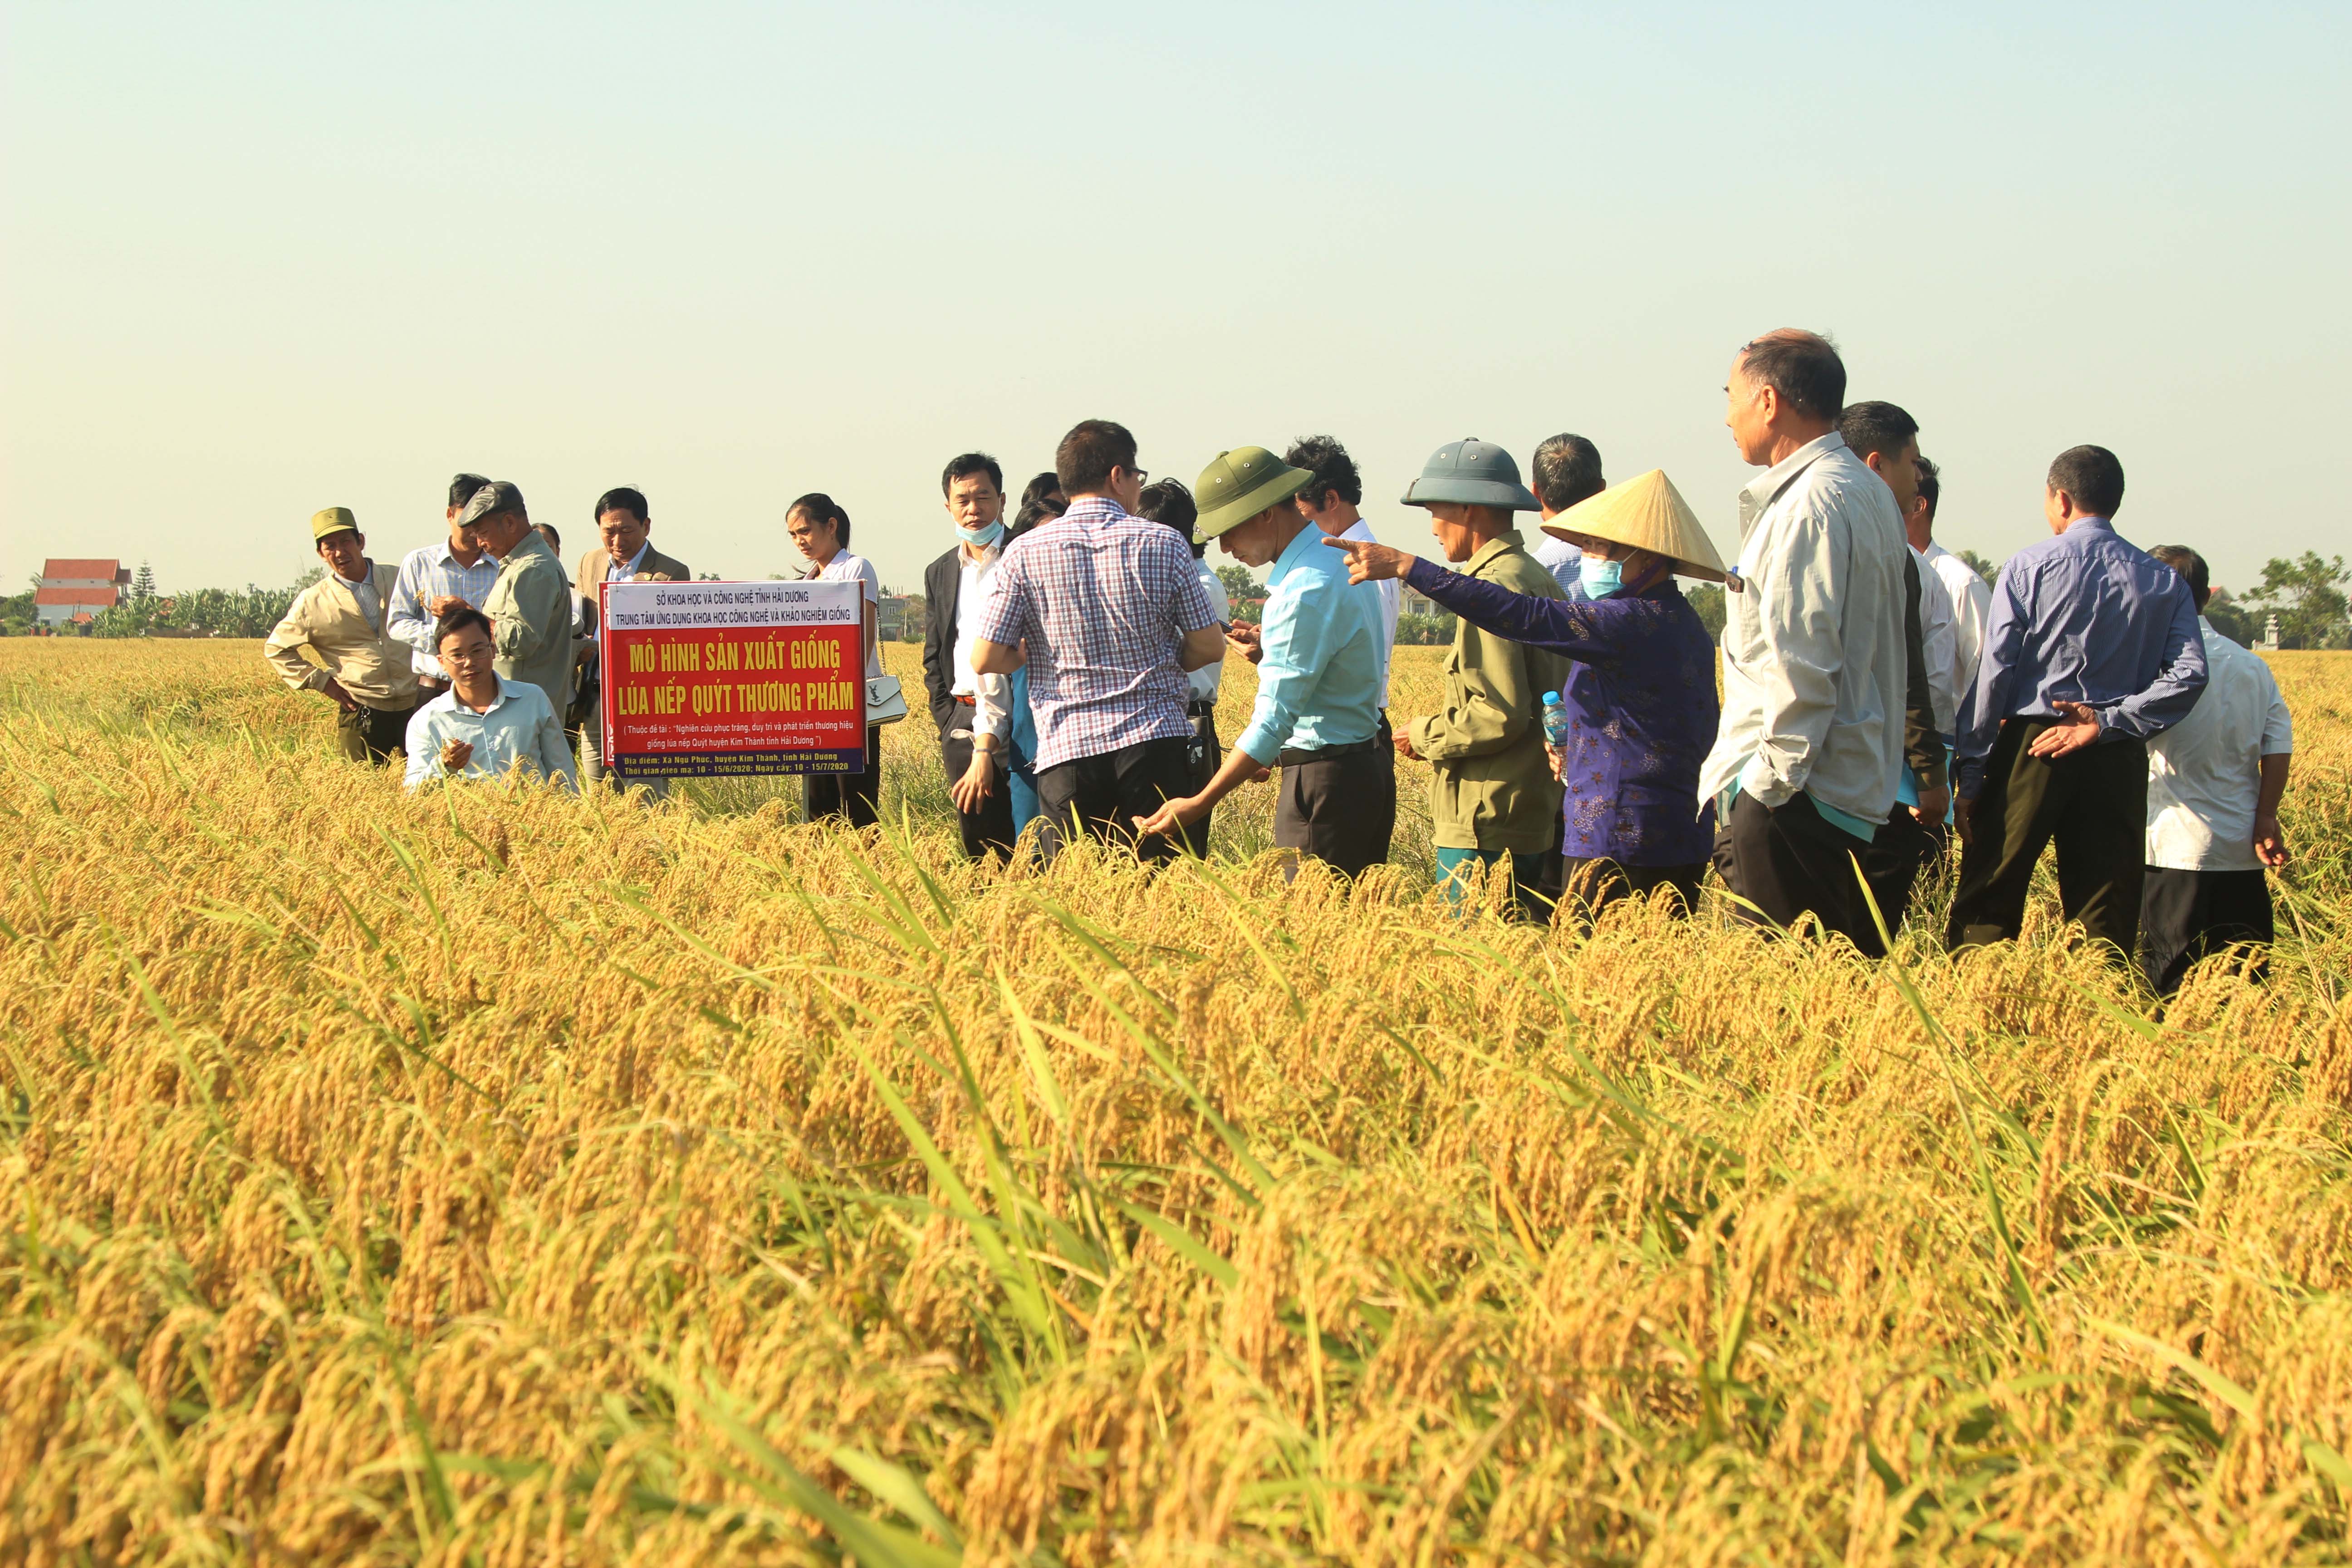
(1106, 611)
(624, 554)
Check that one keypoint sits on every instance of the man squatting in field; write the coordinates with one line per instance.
(483, 726)
(342, 618)
(1318, 698)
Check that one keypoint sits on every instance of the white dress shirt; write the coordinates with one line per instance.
(1204, 680)
(1392, 603)
(1972, 598)
(1937, 637)
(1814, 657)
(971, 582)
(2205, 774)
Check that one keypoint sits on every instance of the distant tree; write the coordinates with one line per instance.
(1708, 600)
(1988, 570)
(143, 585)
(1240, 584)
(1421, 631)
(2307, 595)
(2233, 620)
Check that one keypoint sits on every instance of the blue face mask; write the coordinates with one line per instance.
(981, 538)
(1602, 578)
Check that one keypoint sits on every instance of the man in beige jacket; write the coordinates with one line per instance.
(1493, 798)
(342, 619)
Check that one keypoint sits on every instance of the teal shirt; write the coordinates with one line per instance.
(1318, 678)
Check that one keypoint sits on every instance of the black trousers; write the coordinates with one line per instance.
(2093, 803)
(1204, 755)
(2185, 916)
(1789, 861)
(1903, 846)
(1338, 803)
(851, 795)
(989, 830)
(366, 734)
(1589, 886)
(1102, 796)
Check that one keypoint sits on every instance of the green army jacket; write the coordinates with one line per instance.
(1493, 787)
(530, 606)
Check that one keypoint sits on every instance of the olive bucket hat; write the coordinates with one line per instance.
(334, 519)
(1239, 484)
(1471, 472)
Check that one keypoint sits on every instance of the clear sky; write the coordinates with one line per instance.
(267, 258)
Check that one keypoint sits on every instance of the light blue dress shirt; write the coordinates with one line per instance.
(2082, 616)
(520, 727)
(1318, 678)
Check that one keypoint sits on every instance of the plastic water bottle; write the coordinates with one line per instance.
(1555, 719)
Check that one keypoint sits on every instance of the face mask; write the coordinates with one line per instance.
(981, 538)
(1602, 578)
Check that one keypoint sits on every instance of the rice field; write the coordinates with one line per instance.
(499, 1179)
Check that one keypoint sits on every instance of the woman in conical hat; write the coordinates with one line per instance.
(1639, 708)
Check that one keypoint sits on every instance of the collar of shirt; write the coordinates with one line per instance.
(1759, 491)
(356, 583)
(1305, 538)
(1502, 543)
(444, 556)
(457, 705)
(1091, 510)
(615, 572)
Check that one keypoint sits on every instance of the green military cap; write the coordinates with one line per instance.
(1471, 472)
(334, 519)
(1239, 484)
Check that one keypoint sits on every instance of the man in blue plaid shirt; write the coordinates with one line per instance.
(436, 579)
(1109, 615)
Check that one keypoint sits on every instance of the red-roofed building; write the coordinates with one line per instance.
(77, 590)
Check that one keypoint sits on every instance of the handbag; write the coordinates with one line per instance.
(886, 703)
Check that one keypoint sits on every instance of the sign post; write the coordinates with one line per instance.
(703, 680)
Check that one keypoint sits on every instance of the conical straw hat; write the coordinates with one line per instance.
(1647, 514)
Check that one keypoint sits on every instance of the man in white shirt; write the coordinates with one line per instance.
(1806, 762)
(1566, 470)
(954, 587)
(1329, 503)
(1970, 594)
(2214, 784)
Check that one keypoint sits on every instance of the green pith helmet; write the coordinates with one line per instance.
(1239, 484)
(334, 519)
(1471, 472)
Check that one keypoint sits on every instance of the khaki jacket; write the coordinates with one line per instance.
(357, 654)
(530, 606)
(1492, 786)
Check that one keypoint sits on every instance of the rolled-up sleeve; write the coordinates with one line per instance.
(1190, 603)
(407, 622)
(1004, 610)
(2278, 727)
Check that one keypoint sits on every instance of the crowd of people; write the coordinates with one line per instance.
(1879, 699)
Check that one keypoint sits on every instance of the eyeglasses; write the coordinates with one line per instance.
(1142, 475)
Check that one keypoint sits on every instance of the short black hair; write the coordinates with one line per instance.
(2192, 567)
(1168, 501)
(458, 620)
(1877, 429)
(1038, 502)
(1931, 486)
(1566, 470)
(554, 538)
(2093, 475)
(822, 508)
(1332, 468)
(622, 498)
(1089, 452)
(968, 464)
(1803, 367)
(462, 488)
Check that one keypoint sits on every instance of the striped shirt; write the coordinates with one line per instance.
(428, 574)
(1103, 600)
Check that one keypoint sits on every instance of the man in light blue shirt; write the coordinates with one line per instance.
(436, 579)
(1318, 694)
(483, 727)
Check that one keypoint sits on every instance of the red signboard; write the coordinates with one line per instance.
(707, 679)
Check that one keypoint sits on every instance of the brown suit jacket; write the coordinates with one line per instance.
(596, 563)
